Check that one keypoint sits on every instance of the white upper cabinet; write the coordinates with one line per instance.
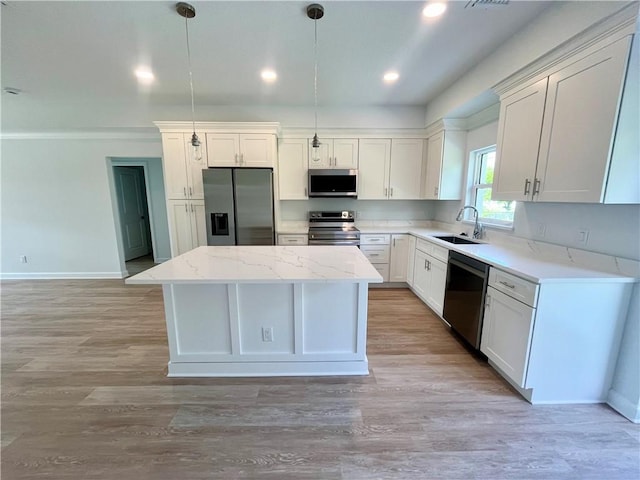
(240, 149)
(444, 166)
(373, 174)
(573, 135)
(334, 153)
(390, 168)
(292, 168)
(182, 171)
(407, 158)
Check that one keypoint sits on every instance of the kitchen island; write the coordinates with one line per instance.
(265, 310)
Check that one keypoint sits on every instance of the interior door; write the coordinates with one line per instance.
(132, 206)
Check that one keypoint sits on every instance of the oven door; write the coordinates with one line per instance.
(354, 243)
(334, 237)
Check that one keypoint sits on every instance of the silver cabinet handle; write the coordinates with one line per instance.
(374, 254)
(425, 264)
(385, 191)
(190, 192)
(428, 265)
(391, 191)
(192, 208)
(394, 242)
(508, 285)
(527, 184)
(236, 157)
(184, 189)
(487, 302)
(536, 187)
(374, 239)
(241, 158)
(186, 209)
(305, 192)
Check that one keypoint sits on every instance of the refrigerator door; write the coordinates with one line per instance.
(254, 206)
(218, 206)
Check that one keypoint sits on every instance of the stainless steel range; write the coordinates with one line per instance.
(333, 228)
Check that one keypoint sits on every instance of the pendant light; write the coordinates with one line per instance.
(187, 11)
(315, 11)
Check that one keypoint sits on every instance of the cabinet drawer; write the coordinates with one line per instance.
(515, 287)
(424, 246)
(383, 269)
(440, 253)
(376, 253)
(292, 239)
(374, 239)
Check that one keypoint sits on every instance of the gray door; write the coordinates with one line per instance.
(254, 206)
(218, 205)
(133, 210)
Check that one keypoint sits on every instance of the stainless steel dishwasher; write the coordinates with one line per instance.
(464, 294)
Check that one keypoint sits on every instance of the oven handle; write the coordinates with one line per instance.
(335, 242)
(468, 268)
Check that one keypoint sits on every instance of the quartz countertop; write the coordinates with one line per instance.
(263, 264)
(526, 264)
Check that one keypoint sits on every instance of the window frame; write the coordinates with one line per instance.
(475, 166)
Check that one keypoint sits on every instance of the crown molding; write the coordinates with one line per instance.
(609, 30)
(483, 117)
(145, 136)
(298, 132)
(219, 127)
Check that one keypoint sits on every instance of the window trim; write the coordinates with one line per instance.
(475, 164)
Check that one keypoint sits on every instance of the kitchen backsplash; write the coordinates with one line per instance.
(296, 210)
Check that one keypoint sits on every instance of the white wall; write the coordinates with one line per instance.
(554, 26)
(297, 210)
(56, 206)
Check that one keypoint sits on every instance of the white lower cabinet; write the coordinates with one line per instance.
(293, 239)
(430, 274)
(399, 256)
(411, 257)
(187, 226)
(377, 250)
(555, 342)
(506, 333)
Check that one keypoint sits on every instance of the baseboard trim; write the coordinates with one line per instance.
(623, 406)
(62, 275)
(267, 369)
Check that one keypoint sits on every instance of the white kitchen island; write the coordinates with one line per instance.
(265, 310)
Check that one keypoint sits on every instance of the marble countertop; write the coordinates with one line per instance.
(263, 264)
(527, 265)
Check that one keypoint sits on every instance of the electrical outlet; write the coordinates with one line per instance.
(267, 334)
(23, 259)
(541, 230)
(582, 236)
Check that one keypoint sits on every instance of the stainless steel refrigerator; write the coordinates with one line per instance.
(238, 206)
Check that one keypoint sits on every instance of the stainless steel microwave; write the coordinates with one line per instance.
(333, 182)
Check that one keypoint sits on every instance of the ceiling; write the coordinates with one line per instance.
(62, 54)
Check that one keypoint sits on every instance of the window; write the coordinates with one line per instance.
(490, 212)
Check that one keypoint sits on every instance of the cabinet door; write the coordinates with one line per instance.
(345, 153)
(437, 271)
(320, 157)
(198, 224)
(256, 150)
(223, 149)
(435, 149)
(399, 256)
(579, 122)
(411, 259)
(173, 164)
(373, 171)
(406, 169)
(421, 276)
(194, 169)
(519, 129)
(292, 169)
(286, 239)
(179, 218)
(506, 334)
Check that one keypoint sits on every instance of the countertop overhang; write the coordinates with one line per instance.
(263, 264)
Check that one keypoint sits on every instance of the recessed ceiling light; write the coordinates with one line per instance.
(269, 75)
(434, 9)
(144, 75)
(391, 77)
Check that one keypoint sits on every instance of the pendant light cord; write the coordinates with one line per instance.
(315, 75)
(193, 114)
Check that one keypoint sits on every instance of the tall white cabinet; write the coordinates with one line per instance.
(293, 155)
(571, 135)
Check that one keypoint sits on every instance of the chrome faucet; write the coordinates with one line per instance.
(478, 229)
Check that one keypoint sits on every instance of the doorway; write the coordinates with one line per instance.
(133, 209)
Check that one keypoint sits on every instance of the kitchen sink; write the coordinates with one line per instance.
(457, 240)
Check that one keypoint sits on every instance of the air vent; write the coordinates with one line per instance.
(473, 3)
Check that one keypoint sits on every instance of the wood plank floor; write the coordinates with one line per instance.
(85, 396)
